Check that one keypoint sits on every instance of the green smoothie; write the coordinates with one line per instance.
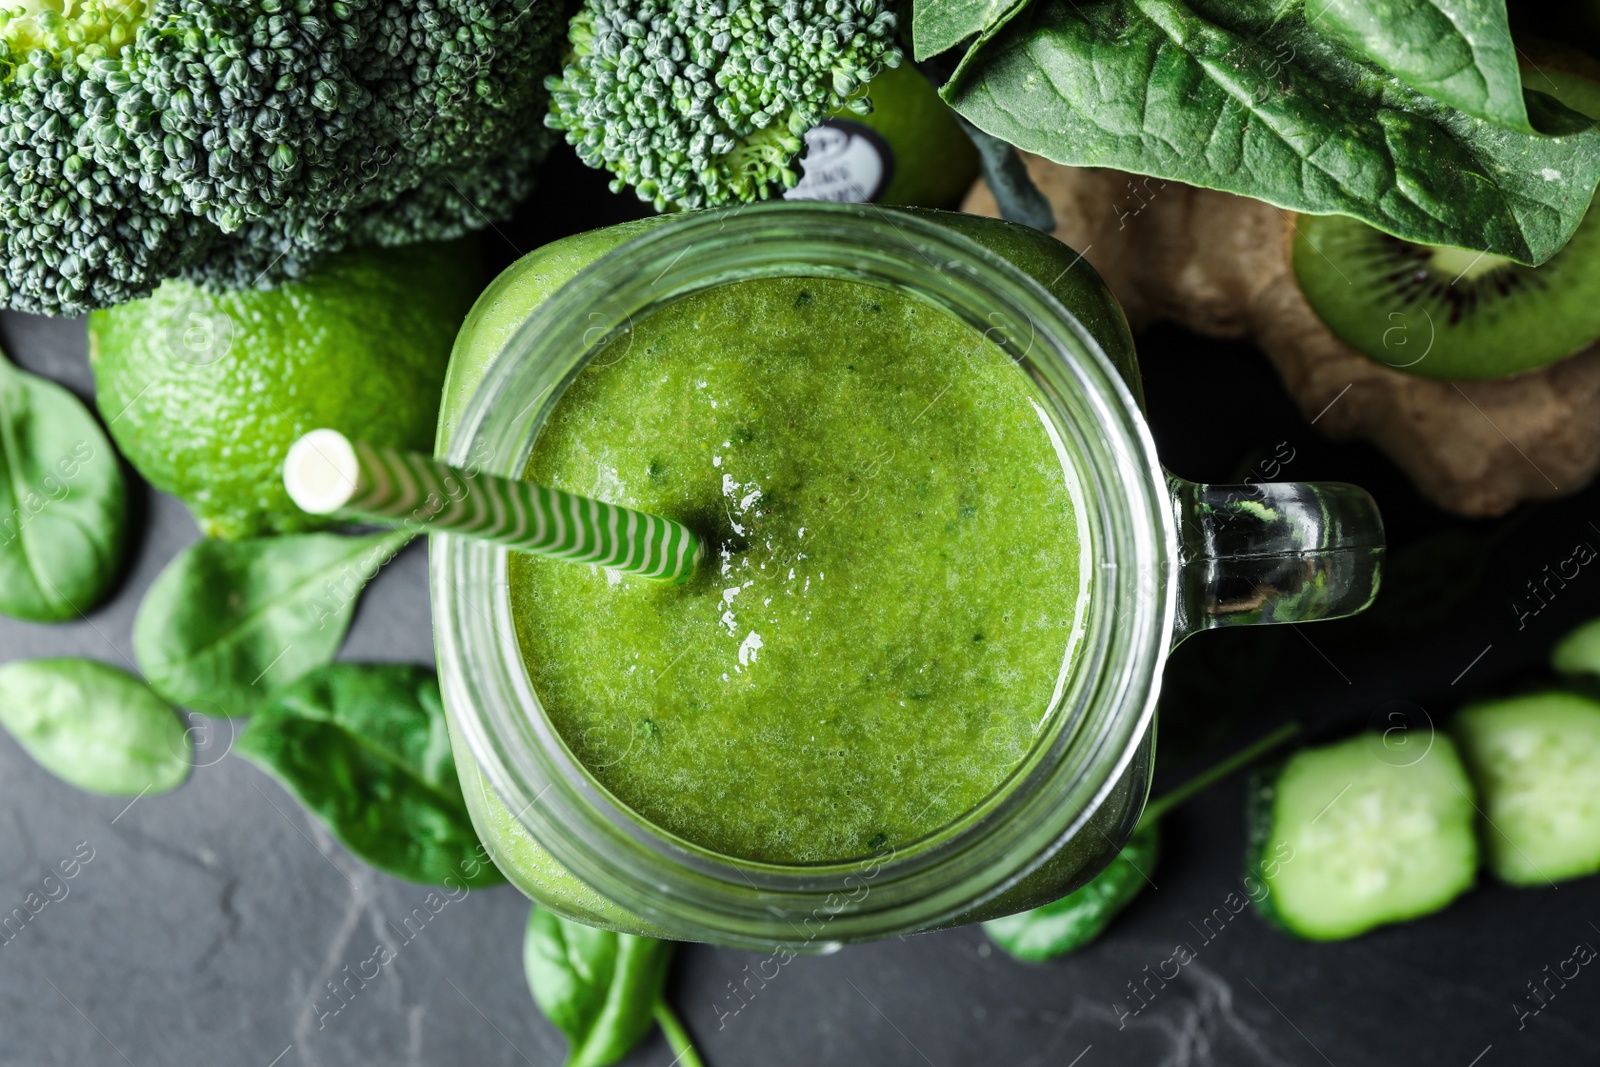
(893, 593)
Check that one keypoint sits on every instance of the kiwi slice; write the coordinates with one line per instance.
(1447, 312)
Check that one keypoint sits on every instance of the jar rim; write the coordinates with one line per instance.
(689, 891)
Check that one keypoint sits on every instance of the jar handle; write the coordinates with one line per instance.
(1274, 552)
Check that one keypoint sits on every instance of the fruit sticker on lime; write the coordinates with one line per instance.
(845, 162)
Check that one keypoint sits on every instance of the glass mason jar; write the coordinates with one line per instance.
(1163, 559)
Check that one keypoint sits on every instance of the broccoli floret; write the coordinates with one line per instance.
(236, 141)
(705, 102)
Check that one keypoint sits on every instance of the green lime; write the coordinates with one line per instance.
(204, 392)
(909, 151)
(935, 162)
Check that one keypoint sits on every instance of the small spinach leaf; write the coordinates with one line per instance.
(364, 747)
(229, 622)
(63, 502)
(1018, 199)
(92, 725)
(1070, 923)
(600, 988)
(1240, 96)
(1457, 51)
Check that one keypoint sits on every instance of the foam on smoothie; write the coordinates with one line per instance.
(893, 588)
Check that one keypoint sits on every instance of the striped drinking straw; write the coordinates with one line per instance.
(326, 473)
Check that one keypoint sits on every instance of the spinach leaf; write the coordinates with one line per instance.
(63, 503)
(1232, 95)
(939, 25)
(1018, 199)
(600, 988)
(1457, 51)
(1070, 923)
(229, 622)
(365, 749)
(92, 725)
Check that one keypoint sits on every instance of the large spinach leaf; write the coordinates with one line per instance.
(92, 725)
(63, 504)
(1457, 51)
(939, 25)
(364, 747)
(228, 622)
(1247, 97)
(602, 989)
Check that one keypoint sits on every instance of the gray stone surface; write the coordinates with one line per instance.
(207, 923)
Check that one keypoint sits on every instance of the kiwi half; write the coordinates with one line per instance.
(1447, 312)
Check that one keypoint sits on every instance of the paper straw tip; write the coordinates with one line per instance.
(321, 472)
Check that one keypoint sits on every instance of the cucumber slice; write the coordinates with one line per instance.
(1579, 651)
(1536, 759)
(1350, 836)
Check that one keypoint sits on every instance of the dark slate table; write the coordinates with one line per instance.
(207, 923)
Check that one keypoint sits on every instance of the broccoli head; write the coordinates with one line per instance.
(705, 102)
(235, 141)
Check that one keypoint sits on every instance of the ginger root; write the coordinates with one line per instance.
(1219, 265)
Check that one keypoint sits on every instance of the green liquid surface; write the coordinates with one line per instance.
(892, 592)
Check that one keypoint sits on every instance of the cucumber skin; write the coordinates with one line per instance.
(1259, 806)
(1469, 735)
(1259, 795)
